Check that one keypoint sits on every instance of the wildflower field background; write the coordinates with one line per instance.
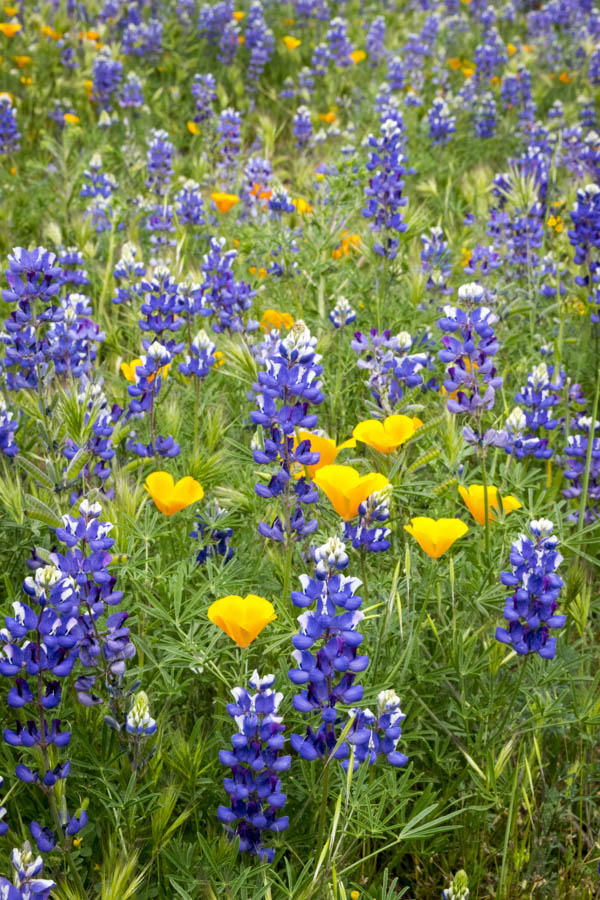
(299, 474)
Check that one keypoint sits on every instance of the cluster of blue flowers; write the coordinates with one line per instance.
(469, 347)
(286, 387)
(384, 190)
(531, 610)
(326, 653)
(256, 764)
(391, 367)
(528, 421)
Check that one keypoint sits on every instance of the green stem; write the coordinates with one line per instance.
(509, 706)
(486, 510)
(196, 415)
(588, 458)
(324, 799)
(107, 273)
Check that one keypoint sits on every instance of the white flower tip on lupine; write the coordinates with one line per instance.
(258, 682)
(541, 527)
(516, 422)
(387, 700)
(128, 253)
(156, 351)
(88, 509)
(470, 292)
(202, 340)
(404, 340)
(539, 374)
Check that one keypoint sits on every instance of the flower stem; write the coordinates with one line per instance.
(588, 458)
(324, 799)
(486, 509)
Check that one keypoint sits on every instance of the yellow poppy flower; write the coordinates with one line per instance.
(357, 56)
(511, 49)
(291, 42)
(302, 206)
(473, 497)
(348, 242)
(224, 202)
(11, 10)
(50, 32)
(272, 318)
(219, 359)
(328, 117)
(88, 85)
(565, 78)
(386, 435)
(346, 488)
(171, 497)
(192, 127)
(455, 63)
(71, 119)
(241, 618)
(325, 447)
(238, 15)
(25, 79)
(435, 536)
(22, 61)
(9, 29)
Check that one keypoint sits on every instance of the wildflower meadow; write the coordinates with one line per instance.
(300, 449)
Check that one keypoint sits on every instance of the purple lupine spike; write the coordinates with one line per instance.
(256, 764)
(531, 610)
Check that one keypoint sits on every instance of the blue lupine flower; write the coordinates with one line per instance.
(139, 721)
(9, 423)
(10, 135)
(223, 297)
(459, 887)
(286, 386)
(340, 47)
(391, 367)
(189, 205)
(384, 191)
(126, 269)
(213, 20)
(132, 92)
(536, 401)
(576, 452)
(160, 162)
(229, 141)
(342, 313)
(442, 124)
(327, 658)
(260, 44)
(585, 238)
(229, 43)
(142, 38)
(100, 188)
(436, 261)
(204, 92)
(201, 358)
(302, 127)
(485, 116)
(374, 735)
(107, 74)
(531, 610)
(375, 41)
(27, 883)
(256, 764)
(367, 533)
(469, 347)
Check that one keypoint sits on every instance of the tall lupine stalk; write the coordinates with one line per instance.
(469, 347)
(531, 610)
(327, 664)
(286, 387)
(256, 763)
(66, 629)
